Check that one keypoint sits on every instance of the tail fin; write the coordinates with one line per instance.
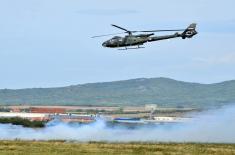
(192, 26)
(190, 31)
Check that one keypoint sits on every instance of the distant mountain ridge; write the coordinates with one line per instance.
(162, 91)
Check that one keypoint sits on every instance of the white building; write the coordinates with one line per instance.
(30, 116)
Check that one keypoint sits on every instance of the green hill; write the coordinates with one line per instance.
(162, 91)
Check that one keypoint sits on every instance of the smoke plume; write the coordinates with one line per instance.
(216, 126)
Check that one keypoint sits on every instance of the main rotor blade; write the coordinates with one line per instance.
(120, 28)
(107, 35)
(162, 30)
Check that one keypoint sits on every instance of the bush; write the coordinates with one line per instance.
(23, 122)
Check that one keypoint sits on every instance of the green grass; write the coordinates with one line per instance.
(102, 148)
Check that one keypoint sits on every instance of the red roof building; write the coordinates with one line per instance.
(47, 110)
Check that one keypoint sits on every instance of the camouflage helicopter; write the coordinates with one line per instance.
(130, 40)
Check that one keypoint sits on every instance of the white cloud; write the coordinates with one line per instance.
(219, 59)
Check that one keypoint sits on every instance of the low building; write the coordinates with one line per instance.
(171, 119)
(76, 118)
(30, 116)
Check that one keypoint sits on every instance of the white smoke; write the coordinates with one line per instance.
(216, 126)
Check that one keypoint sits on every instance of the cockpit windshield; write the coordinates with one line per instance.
(116, 39)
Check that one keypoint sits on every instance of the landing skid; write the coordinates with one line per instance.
(131, 48)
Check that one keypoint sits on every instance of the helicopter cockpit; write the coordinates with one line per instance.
(113, 42)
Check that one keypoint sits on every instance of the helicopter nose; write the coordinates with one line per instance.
(104, 44)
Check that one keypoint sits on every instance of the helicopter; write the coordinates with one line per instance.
(130, 40)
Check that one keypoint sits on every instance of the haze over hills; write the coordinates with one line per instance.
(162, 91)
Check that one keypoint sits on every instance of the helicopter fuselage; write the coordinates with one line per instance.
(137, 40)
(128, 40)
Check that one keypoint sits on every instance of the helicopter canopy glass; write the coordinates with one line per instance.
(116, 37)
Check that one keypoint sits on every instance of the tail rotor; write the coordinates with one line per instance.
(190, 31)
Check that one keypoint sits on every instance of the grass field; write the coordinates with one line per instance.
(102, 148)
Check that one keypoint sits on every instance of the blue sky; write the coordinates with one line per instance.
(46, 43)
